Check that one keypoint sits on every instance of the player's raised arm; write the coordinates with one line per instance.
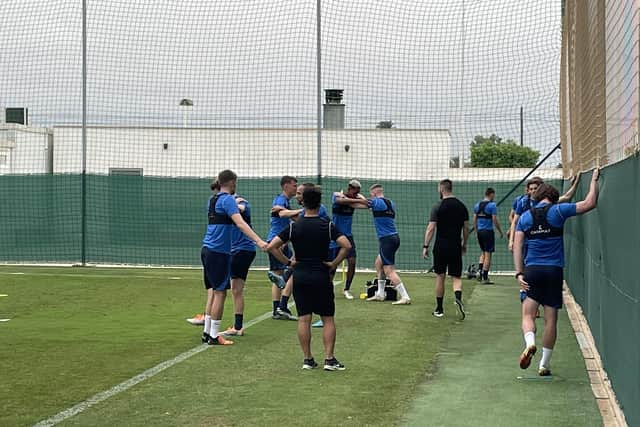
(566, 197)
(591, 200)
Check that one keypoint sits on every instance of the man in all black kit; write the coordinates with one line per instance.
(448, 218)
(312, 286)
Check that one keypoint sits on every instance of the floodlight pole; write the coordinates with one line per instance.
(521, 127)
(319, 93)
(83, 246)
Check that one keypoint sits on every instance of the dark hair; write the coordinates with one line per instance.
(535, 180)
(215, 185)
(308, 185)
(489, 191)
(546, 191)
(446, 185)
(286, 180)
(226, 176)
(311, 197)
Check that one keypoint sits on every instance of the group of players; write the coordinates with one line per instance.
(321, 243)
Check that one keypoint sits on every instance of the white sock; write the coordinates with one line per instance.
(530, 339)
(546, 357)
(215, 327)
(381, 284)
(403, 291)
(207, 324)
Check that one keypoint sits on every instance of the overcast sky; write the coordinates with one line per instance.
(466, 66)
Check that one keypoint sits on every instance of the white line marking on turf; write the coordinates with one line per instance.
(4, 320)
(116, 276)
(3, 295)
(102, 396)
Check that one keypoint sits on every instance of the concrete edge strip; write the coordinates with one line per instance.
(601, 387)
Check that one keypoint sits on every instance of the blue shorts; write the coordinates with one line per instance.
(388, 247)
(487, 240)
(545, 284)
(333, 252)
(240, 263)
(217, 269)
(274, 264)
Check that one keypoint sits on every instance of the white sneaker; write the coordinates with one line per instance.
(376, 297)
(402, 301)
(347, 294)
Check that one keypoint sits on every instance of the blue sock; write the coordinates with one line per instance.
(238, 322)
(276, 303)
(283, 303)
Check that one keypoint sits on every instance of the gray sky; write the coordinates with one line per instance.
(462, 65)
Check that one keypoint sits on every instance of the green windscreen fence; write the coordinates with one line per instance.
(602, 249)
(404, 94)
(159, 221)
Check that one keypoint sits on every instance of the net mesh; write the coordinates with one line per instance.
(177, 91)
(599, 105)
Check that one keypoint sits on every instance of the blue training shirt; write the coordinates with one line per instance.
(239, 241)
(218, 236)
(344, 222)
(277, 223)
(514, 205)
(548, 251)
(383, 217)
(322, 212)
(524, 204)
(490, 209)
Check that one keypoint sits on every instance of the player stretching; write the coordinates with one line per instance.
(343, 208)
(223, 213)
(540, 272)
(281, 214)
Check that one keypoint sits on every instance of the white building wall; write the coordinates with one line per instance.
(377, 154)
(23, 150)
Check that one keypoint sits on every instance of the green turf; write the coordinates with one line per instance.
(476, 382)
(76, 332)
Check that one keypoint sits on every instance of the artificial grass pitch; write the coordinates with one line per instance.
(78, 331)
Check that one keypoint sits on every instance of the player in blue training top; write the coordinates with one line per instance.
(521, 204)
(223, 214)
(525, 203)
(281, 216)
(343, 207)
(243, 252)
(384, 213)
(540, 271)
(484, 219)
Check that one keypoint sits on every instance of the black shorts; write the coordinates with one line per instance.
(545, 284)
(240, 263)
(274, 264)
(217, 269)
(388, 247)
(447, 260)
(313, 292)
(333, 252)
(487, 240)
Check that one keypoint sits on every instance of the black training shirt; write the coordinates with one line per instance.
(310, 237)
(450, 215)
